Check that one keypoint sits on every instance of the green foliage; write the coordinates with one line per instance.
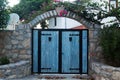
(44, 25)
(100, 10)
(110, 43)
(4, 60)
(26, 8)
(4, 15)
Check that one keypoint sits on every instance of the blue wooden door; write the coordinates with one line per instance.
(35, 50)
(67, 53)
(84, 51)
(70, 52)
(49, 51)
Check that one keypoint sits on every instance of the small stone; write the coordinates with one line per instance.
(1, 75)
(97, 69)
(1, 46)
(26, 43)
(14, 42)
(102, 78)
(27, 35)
(29, 31)
(23, 52)
(16, 33)
(15, 56)
(20, 38)
(14, 46)
(12, 77)
(116, 75)
(15, 51)
(8, 46)
(20, 47)
(98, 49)
(8, 71)
(21, 33)
(24, 56)
(28, 51)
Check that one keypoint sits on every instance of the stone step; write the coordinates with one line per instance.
(64, 76)
(55, 77)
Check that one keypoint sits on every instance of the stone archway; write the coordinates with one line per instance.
(53, 13)
(17, 44)
(93, 28)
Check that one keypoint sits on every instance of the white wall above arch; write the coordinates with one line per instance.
(63, 23)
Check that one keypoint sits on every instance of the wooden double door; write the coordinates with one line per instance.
(60, 51)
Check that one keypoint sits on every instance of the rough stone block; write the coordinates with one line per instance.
(12, 77)
(24, 56)
(20, 38)
(68, 13)
(97, 69)
(48, 14)
(1, 75)
(16, 33)
(20, 46)
(8, 46)
(27, 35)
(26, 43)
(42, 16)
(14, 41)
(51, 13)
(45, 15)
(74, 15)
(54, 12)
(23, 51)
(116, 75)
(39, 18)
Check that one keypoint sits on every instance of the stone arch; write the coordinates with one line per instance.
(53, 13)
(93, 28)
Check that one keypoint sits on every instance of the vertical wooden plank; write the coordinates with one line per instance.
(49, 51)
(70, 52)
(35, 50)
(84, 51)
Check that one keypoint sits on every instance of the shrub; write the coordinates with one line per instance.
(110, 43)
(4, 60)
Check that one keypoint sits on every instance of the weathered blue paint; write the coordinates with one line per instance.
(35, 50)
(84, 51)
(71, 49)
(49, 51)
(70, 52)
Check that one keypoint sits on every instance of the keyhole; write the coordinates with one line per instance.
(49, 39)
(70, 39)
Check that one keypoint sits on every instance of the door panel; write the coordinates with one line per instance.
(84, 51)
(35, 50)
(49, 51)
(70, 52)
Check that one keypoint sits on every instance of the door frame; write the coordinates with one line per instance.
(60, 50)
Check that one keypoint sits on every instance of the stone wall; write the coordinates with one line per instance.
(15, 70)
(16, 44)
(104, 72)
